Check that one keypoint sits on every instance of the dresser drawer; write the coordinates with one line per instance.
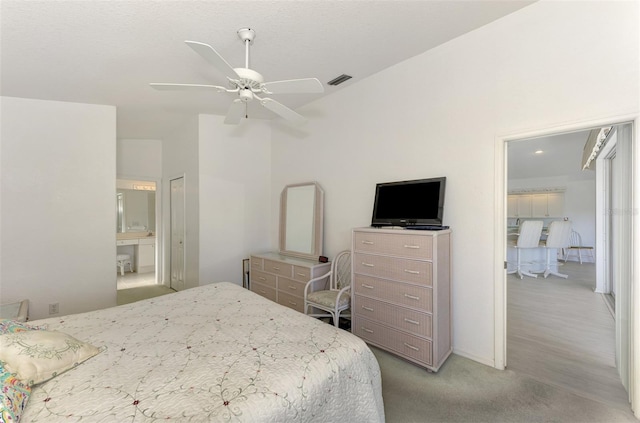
(291, 287)
(398, 317)
(256, 263)
(393, 268)
(291, 301)
(401, 245)
(404, 344)
(279, 268)
(263, 278)
(415, 296)
(302, 274)
(265, 291)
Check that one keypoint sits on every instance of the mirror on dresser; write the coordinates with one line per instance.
(301, 220)
(282, 276)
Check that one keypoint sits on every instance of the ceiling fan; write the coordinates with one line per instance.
(247, 83)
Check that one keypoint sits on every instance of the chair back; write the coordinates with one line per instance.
(575, 240)
(559, 234)
(530, 231)
(341, 270)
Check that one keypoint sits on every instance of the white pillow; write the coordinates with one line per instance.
(38, 355)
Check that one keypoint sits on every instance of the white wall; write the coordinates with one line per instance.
(227, 173)
(139, 158)
(439, 113)
(235, 195)
(58, 220)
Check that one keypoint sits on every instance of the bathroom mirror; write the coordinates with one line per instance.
(301, 220)
(135, 210)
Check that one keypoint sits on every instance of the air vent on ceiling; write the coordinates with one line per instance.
(339, 80)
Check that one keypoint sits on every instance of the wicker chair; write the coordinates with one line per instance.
(335, 298)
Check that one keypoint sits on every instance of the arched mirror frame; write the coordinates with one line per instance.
(316, 226)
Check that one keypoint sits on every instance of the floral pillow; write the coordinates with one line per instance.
(38, 355)
(12, 326)
(13, 396)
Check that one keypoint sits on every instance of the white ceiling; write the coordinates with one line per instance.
(561, 156)
(106, 52)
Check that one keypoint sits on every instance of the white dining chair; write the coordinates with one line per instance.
(558, 239)
(575, 245)
(529, 237)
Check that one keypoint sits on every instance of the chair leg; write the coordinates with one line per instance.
(524, 272)
(548, 271)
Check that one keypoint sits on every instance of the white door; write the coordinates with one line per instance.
(177, 234)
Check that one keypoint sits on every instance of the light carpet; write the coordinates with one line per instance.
(466, 391)
(130, 295)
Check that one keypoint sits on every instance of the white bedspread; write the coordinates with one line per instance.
(214, 353)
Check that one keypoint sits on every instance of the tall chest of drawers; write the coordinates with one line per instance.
(282, 279)
(402, 292)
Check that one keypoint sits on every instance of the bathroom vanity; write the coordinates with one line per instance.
(141, 247)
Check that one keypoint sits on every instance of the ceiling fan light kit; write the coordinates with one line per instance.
(246, 83)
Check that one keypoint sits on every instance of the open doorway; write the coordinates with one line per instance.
(137, 206)
(558, 330)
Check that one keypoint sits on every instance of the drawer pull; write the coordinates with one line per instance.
(413, 322)
(364, 285)
(262, 278)
(367, 308)
(301, 274)
(413, 297)
(367, 330)
(411, 346)
(292, 287)
(367, 242)
(413, 272)
(414, 247)
(276, 268)
(367, 264)
(262, 291)
(293, 303)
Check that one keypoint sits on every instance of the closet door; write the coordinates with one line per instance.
(177, 234)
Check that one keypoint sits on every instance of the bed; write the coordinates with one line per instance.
(214, 353)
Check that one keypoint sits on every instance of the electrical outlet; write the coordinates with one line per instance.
(54, 308)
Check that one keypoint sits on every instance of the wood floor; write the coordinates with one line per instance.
(562, 333)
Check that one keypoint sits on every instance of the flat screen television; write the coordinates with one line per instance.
(409, 203)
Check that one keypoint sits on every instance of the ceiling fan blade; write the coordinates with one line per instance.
(294, 86)
(162, 86)
(213, 57)
(236, 112)
(282, 110)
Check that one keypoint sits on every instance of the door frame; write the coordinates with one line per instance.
(500, 236)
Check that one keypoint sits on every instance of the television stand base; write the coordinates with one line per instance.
(427, 227)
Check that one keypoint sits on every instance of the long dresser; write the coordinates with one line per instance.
(402, 292)
(282, 279)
